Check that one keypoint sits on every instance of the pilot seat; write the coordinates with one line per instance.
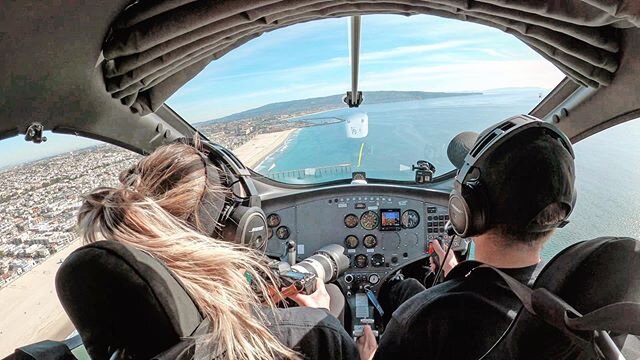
(585, 304)
(123, 300)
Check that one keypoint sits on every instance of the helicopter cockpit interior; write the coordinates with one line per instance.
(358, 182)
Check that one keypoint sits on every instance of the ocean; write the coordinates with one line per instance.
(402, 133)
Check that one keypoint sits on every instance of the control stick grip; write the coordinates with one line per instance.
(292, 253)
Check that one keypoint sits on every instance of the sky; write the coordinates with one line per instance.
(16, 150)
(421, 52)
(424, 53)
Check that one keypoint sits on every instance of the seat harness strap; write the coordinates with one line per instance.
(621, 317)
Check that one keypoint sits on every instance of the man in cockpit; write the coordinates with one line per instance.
(465, 315)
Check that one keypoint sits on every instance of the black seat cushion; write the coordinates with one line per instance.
(587, 275)
(121, 298)
(43, 350)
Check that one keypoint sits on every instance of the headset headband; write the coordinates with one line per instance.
(497, 135)
(214, 206)
(235, 217)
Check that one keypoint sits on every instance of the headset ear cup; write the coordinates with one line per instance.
(477, 203)
(247, 226)
(467, 211)
(459, 213)
(256, 230)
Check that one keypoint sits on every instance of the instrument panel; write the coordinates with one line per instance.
(381, 229)
(380, 232)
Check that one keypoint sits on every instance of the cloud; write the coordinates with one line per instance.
(318, 30)
(259, 78)
(470, 76)
(337, 62)
(293, 71)
(409, 50)
(492, 52)
(424, 28)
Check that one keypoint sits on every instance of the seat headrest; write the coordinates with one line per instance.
(588, 275)
(119, 297)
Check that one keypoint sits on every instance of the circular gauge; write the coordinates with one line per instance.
(369, 241)
(283, 233)
(410, 219)
(351, 242)
(369, 220)
(351, 221)
(377, 260)
(360, 261)
(273, 220)
(374, 278)
(270, 232)
(391, 240)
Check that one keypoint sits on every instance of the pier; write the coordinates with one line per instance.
(335, 171)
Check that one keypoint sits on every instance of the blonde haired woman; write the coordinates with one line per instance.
(156, 210)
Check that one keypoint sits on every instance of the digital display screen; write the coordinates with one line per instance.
(389, 219)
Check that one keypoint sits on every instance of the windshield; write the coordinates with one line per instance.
(277, 101)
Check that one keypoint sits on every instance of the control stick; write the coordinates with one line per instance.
(292, 253)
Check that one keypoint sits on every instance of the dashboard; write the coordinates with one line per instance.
(382, 228)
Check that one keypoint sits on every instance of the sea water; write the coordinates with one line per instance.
(400, 133)
(607, 175)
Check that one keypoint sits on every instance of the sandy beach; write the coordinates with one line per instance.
(30, 308)
(252, 153)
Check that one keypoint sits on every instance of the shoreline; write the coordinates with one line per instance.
(254, 165)
(277, 149)
(254, 152)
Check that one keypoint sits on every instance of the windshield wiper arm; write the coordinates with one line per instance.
(354, 97)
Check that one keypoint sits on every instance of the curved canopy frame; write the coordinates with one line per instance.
(155, 47)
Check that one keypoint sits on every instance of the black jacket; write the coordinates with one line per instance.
(458, 319)
(314, 333)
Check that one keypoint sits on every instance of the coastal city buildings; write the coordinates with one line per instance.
(39, 203)
(235, 133)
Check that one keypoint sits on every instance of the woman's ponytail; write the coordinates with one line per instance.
(212, 271)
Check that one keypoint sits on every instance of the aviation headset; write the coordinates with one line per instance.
(468, 202)
(235, 217)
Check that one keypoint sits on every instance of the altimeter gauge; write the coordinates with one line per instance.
(369, 220)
